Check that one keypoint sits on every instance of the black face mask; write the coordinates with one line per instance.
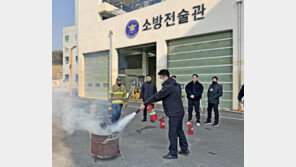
(213, 82)
(119, 84)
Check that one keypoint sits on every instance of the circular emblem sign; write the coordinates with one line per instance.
(132, 29)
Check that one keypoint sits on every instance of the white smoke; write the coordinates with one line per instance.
(78, 118)
(121, 124)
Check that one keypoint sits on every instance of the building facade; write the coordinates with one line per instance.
(185, 37)
(70, 45)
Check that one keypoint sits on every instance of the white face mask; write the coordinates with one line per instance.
(161, 81)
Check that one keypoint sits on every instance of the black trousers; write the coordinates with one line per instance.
(210, 107)
(145, 112)
(190, 109)
(175, 132)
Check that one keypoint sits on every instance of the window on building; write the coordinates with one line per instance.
(66, 50)
(105, 85)
(98, 85)
(157, 1)
(66, 77)
(89, 84)
(130, 61)
(76, 37)
(76, 58)
(67, 38)
(67, 60)
(104, 18)
(151, 2)
(76, 78)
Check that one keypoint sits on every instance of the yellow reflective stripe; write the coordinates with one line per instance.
(125, 97)
(117, 101)
(110, 91)
(124, 91)
(118, 93)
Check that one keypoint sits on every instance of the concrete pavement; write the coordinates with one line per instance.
(144, 144)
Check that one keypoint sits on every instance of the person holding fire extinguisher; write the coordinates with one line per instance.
(148, 89)
(170, 96)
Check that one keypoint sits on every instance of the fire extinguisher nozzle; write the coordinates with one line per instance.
(138, 111)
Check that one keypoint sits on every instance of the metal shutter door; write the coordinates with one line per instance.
(96, 75)
(206, 55)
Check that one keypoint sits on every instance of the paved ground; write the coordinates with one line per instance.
(144, 144)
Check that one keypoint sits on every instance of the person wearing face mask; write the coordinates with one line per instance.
(170, 96)
(148, 89)
(117, 96)
(215, 91)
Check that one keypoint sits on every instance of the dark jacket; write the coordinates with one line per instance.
(180, 88)
(241, 93)
(148, 89)
(195, 89)
(214, 93)
(171, 98)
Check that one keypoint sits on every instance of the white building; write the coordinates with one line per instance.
(183, 36)
(70, 44)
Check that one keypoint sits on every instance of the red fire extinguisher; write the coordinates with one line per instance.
(152, 113)
(162, 124)
(190, 128)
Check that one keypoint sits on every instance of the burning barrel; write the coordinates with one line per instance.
(105, 146)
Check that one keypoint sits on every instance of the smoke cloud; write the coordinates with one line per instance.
(90, 118)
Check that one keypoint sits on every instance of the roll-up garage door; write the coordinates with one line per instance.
(96, 75)
(206, 55)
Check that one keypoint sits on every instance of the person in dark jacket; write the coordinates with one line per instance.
(215, 91)
(148, 89)
(179, 85)
(194, 91)
(173, 108)
(241, 94)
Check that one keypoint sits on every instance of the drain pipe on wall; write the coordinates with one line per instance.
(110, 59)
(239, 2)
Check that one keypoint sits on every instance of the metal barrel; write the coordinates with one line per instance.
(104, 146)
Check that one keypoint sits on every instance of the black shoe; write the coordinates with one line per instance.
(143, 120)
(216, 124)
(169, 156)
(186, 152)
(207, 122)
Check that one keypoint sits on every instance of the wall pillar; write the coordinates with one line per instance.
(144, 63)
(161, 59)
(114, 66)
(81, 75)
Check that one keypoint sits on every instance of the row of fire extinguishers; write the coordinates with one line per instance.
(154, 117)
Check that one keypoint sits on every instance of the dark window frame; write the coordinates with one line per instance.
(105, 85)
(67, 61)
(67, 77)
(67, 36)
